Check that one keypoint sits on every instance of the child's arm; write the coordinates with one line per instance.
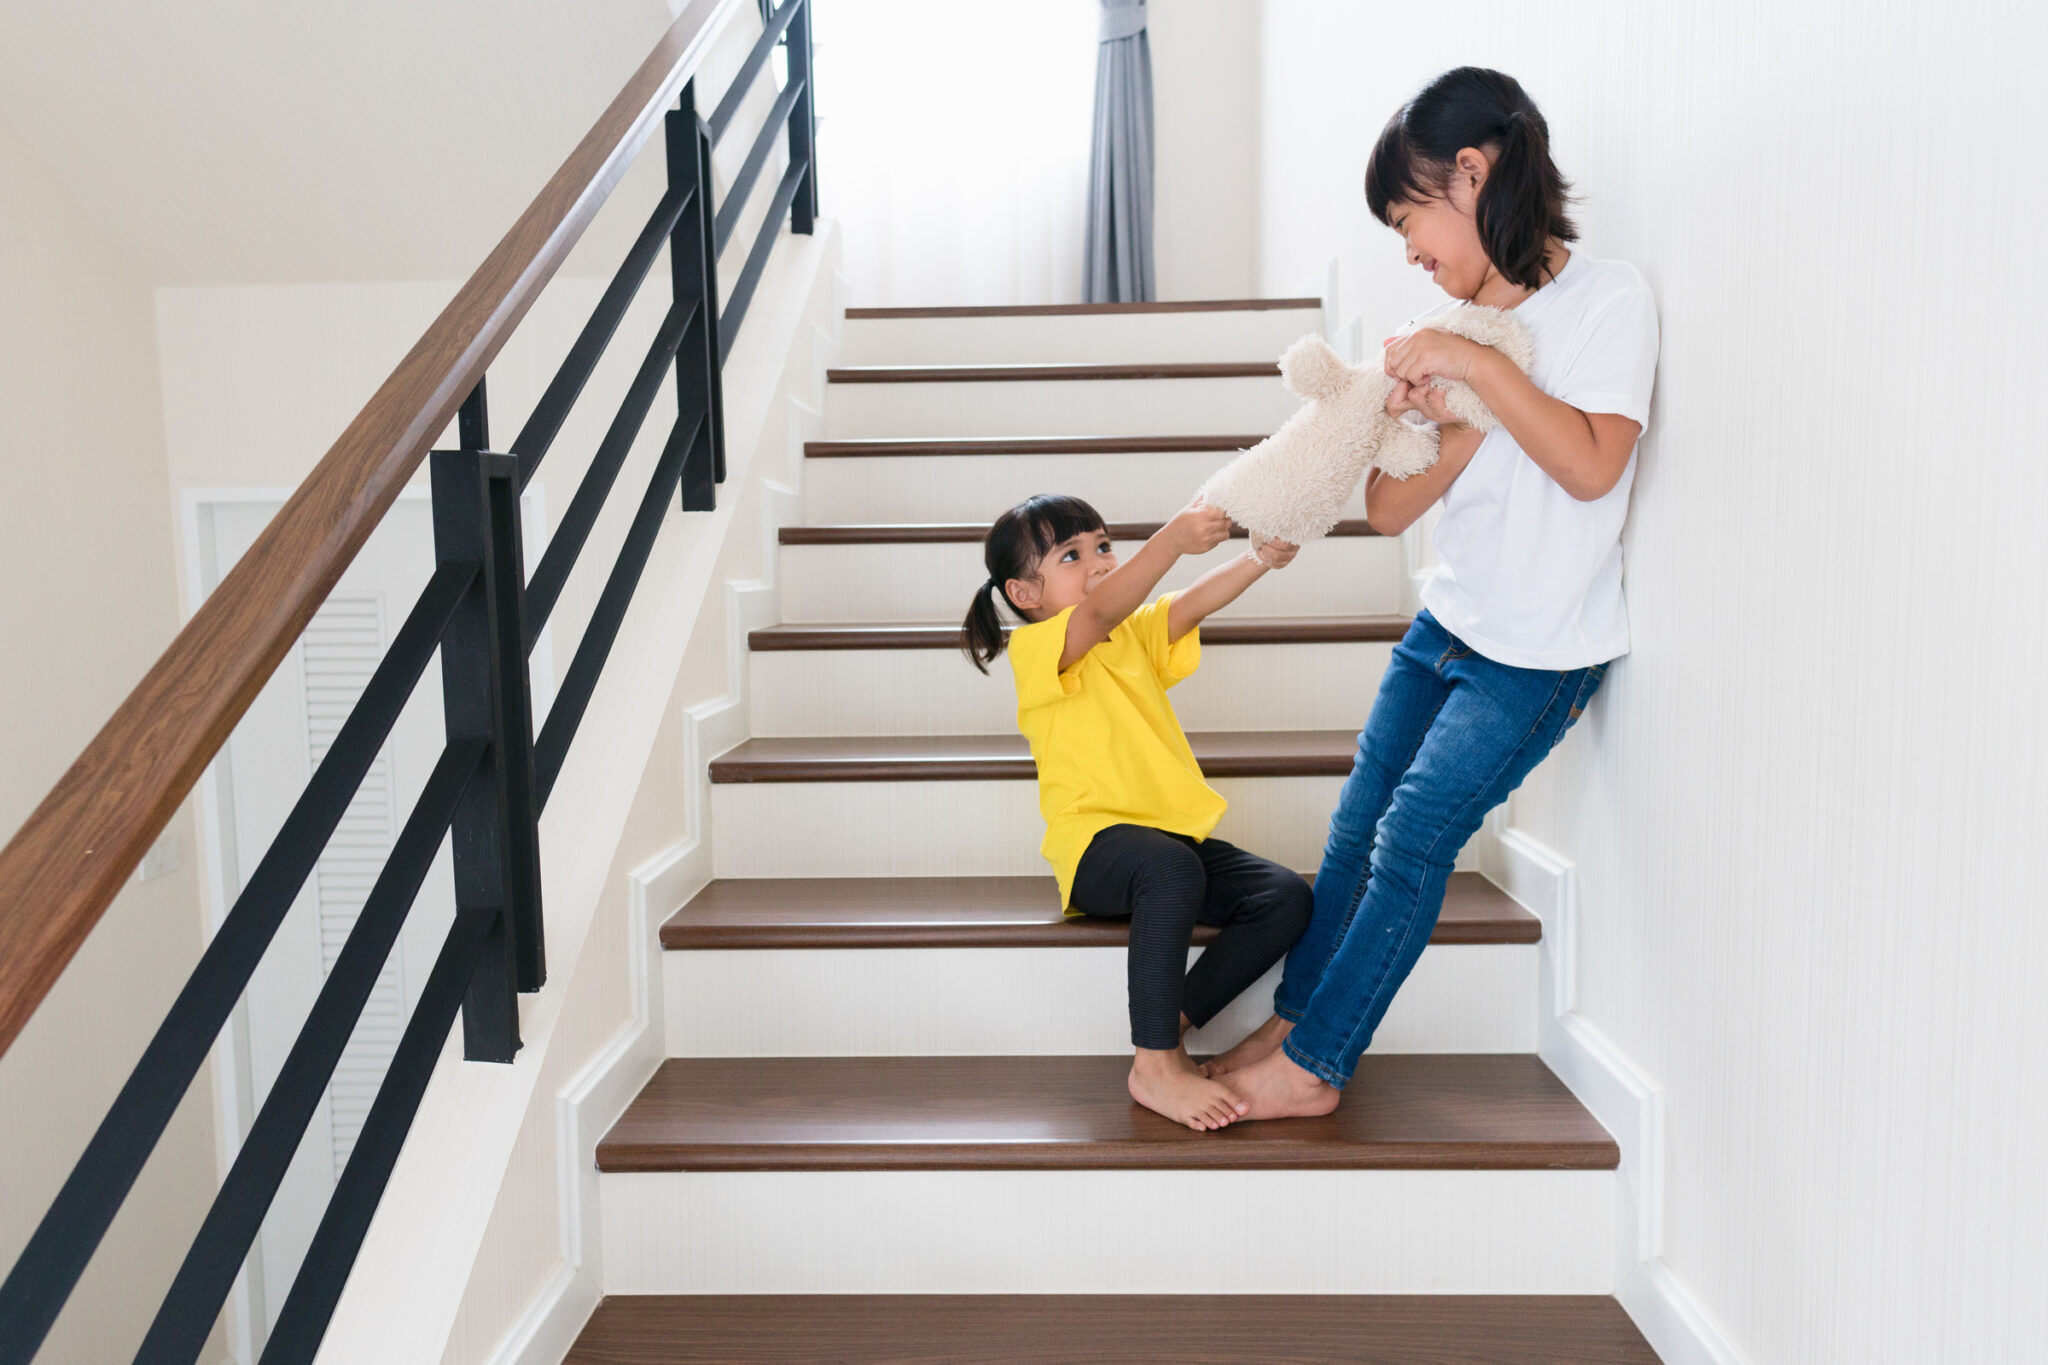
(1194, 530)
(1221, 586)
(1584, 452)
(1392, 505)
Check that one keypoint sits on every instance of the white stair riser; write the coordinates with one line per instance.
(927, 1002)
(1087, 339)
(910, 488)
(1104, 1232)
(938, 692)
(1341, 576)
(965, 829)
(1067, 407)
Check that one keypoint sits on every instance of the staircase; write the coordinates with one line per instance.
(892, 1123)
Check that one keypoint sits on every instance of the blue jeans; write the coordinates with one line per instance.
(1451, 734)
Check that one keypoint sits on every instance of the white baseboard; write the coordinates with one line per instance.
(1617, 1092)
(594, 1098)
(587, 1107)
(1672, 1321)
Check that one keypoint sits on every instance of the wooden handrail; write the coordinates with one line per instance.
(67, 862)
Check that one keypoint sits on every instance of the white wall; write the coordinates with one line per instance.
(963, 180)
(1806, 813)
(1205, 111)
(85, 556)
(245, 141)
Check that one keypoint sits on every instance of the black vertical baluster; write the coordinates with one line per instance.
(802, 123)
(713, 349)
(512, 742)
(495, 834)
(691, 266)
(473, 425)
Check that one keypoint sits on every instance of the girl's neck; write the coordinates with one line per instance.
(1497, 291)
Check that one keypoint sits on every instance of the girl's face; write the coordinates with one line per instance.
(1067, 573)
(1442, 233)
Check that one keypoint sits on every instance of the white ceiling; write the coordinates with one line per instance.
(245, 141)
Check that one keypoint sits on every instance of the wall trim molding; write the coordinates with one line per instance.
(1618, 1092)
(593, 1099)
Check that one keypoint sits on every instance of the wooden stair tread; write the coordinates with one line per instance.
(1217, 630)
(1052, 310)
(1027, 445)
(967, 758)
(1111, 1329)
(970, 532)
(1401, 1112)
(1050, 371)
(981, 912)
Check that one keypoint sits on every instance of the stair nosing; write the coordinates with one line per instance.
(972, 533)
(978, 758)
(1225, 632)
(1113, 1328)
(1475, 913)
(1051, 372)
(1046, 310)
(1027, 445)
(1411, 1112)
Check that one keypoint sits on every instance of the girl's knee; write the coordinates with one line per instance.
(1171, 873)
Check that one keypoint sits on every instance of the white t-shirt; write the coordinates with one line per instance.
(1530, 576)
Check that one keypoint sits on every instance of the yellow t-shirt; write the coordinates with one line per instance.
(1108, 748)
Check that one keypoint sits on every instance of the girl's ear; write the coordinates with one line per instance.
(1472, 167)
(1024, 592)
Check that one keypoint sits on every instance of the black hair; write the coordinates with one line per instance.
(1019, 539)
(1521, 206)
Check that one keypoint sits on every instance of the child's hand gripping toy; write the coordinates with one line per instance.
(1293, 485)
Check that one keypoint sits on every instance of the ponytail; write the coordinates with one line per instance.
(1521, 207)
(981, 634)
(1020, 538)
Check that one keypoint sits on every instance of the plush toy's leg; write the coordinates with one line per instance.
(1406, 450)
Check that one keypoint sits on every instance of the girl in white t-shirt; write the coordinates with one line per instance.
(1526, 608)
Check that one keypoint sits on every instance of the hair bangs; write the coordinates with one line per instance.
(1051, 518)
(1397, 172)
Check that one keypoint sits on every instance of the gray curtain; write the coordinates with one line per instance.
(1117, 264)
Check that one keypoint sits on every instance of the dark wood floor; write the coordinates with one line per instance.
(1111, 1330)
(1401, 1112)
(982, 912)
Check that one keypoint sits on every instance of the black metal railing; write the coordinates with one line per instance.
(482, 614)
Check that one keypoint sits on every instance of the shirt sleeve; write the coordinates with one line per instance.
(1615, 363)
(1035, 662)
(1172, 662)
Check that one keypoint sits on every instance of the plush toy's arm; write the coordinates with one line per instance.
(1392, 505)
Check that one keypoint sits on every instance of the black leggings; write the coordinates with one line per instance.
(1165, 884)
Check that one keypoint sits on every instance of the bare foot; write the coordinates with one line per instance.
(1276, 1088)
(1261, 1043)
(1167, 1082)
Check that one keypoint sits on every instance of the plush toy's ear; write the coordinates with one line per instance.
(1312, 370)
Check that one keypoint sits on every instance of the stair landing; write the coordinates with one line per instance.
(1104, 1329)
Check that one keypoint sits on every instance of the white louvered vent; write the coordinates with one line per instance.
(340, 650)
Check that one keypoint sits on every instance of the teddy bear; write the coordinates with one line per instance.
(1293, 485)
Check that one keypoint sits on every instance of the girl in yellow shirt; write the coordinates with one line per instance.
(1127, 813)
